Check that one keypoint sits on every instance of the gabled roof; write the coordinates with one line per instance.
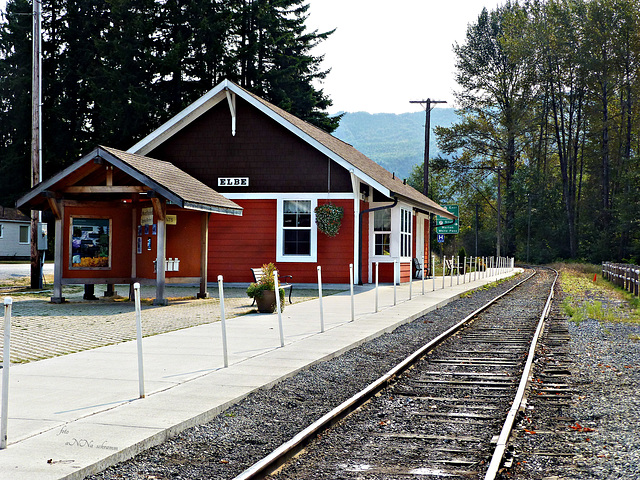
(337, 150)
(12, 215)
(162, 177)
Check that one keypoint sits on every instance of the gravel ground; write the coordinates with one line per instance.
(598, 427)
(249, 430)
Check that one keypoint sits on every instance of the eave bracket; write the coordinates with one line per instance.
(231, 99)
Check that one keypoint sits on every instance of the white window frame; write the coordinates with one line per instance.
(28, 227)
(1, 230)
(313, 252)
(382, 232)
(406, 234)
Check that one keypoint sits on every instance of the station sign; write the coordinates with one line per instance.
(233, 181)
(444, 225)
(441, 238)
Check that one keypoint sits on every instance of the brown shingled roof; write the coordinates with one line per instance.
(188, 188)
(163, 177)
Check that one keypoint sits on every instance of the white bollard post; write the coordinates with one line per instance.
(277, 290)
(410, 283)
(464, 270)
(451, 273)
(433, 271)
(136, 294)
(353, 307)
(223, 321)
(423, 269)
(320, 299)
(376, 306)
(6, 362)
(444, 268)
(458, 268)
(395, 281)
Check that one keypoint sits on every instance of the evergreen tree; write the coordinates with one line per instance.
(273, 58)
(113, 70)
(15, 101)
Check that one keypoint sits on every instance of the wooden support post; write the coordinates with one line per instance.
(57, 268)
(204, 252)
(159, 207)
(134, 250)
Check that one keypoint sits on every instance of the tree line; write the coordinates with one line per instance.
(549, 103)
(113, 70)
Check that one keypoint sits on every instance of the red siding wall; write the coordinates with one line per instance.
(427, 239)
(238, 243)
(334, 254)
(405, 272)
(385, 270)
(365, 243)
(183, 242)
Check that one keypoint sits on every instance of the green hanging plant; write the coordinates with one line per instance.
(329, 218)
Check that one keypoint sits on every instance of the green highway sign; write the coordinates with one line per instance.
(444, 225)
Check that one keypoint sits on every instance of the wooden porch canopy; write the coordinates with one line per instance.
(107, 176)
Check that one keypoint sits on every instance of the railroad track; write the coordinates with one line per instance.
(444, 412)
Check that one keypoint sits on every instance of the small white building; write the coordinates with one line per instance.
(15, 235)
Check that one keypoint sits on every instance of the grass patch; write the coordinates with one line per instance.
(588, 295)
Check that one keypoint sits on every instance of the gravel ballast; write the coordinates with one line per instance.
(605, 373)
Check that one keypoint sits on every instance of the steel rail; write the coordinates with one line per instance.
(289, 449)
(505, 433)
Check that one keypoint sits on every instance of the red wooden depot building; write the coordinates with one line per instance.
(273, 168)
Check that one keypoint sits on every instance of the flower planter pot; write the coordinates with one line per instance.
(267, 302)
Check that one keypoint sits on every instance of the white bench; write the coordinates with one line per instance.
(259, 272)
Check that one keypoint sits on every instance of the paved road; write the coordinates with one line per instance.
(14, 271)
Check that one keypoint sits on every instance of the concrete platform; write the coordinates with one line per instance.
(74, 415)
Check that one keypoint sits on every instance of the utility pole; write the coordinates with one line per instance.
(427, 130)
(36, 140)
(499, 234)
(425, 184)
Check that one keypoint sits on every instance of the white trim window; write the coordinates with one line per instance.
(406, 231)
(25, 234)
(297, 233)
(382, 232)
(1, 230)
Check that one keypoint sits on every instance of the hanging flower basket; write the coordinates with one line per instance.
(329, 218)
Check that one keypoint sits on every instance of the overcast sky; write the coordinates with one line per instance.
(385, 53)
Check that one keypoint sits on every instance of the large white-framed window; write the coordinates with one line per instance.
(406, 232)
(296, 230)
(382, 232)
(25, 234)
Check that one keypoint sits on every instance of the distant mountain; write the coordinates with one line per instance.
(395, 141)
